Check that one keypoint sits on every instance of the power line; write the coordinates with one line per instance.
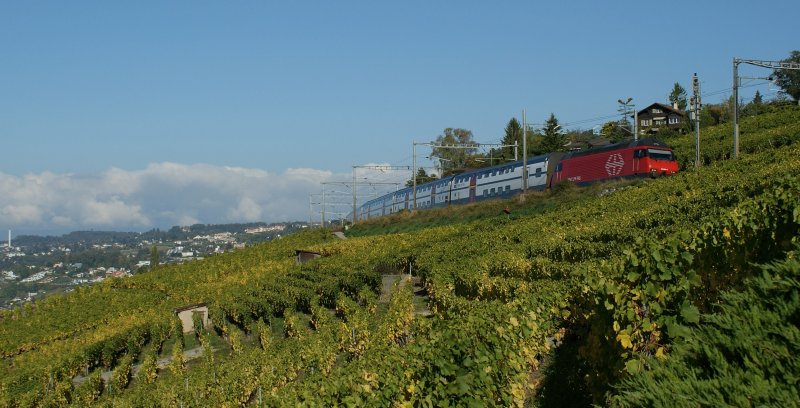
(590, 120)
(728, 90)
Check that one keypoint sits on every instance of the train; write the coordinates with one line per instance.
(637, 158)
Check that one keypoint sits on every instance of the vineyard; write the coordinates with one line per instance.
(629, 280)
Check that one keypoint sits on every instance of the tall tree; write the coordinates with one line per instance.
(678, 95)
(789, 80)
(553, 138)
(755, 107)
(456, 155)
(513, 134)
(758, 99)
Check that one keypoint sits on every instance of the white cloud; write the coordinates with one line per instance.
(112, 212)
(21, 213)
(160, 195)
(247, 210)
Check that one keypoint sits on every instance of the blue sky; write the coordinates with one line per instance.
(94, 90)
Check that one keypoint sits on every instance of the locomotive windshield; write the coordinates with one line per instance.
(659, 154)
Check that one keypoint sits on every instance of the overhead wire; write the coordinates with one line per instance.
(405, 161)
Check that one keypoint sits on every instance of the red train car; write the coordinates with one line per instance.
(645, 157)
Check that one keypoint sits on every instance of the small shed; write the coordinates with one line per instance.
(304, 256)
(186, 314)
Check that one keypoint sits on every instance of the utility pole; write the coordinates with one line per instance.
(524, 157)
(516, 148)
(352, 186)
(695, 105)
(310, 210)
(735, 108)
(414, 174)
(759, 63)
(332, 198)
(324, 205)
(375, 167)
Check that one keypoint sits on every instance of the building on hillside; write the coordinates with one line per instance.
(263, 229)
(186, 315)
(303, 256)
(659, 116)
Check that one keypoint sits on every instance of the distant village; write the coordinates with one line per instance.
(32, 267)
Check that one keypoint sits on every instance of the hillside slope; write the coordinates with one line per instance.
(620, 277)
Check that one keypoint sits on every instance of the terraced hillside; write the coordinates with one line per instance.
(618, 280)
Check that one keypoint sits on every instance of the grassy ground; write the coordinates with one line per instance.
(535, 203)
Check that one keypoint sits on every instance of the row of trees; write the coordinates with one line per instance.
(455, 154)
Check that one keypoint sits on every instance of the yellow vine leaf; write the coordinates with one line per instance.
(625, 340)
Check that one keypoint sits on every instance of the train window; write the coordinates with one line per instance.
(659, 154)
(508, 188)
(538, 171)
(492, 191)
(485, 193)
(638, 154)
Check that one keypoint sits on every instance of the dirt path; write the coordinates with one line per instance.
(420, 298)
(420, 294)
(162, 363)
(387, 284)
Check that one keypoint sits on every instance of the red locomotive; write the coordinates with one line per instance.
(646, 157)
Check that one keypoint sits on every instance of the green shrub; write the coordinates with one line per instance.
(122, 373)
(89, 390)
(743, 355)
(148, 372)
